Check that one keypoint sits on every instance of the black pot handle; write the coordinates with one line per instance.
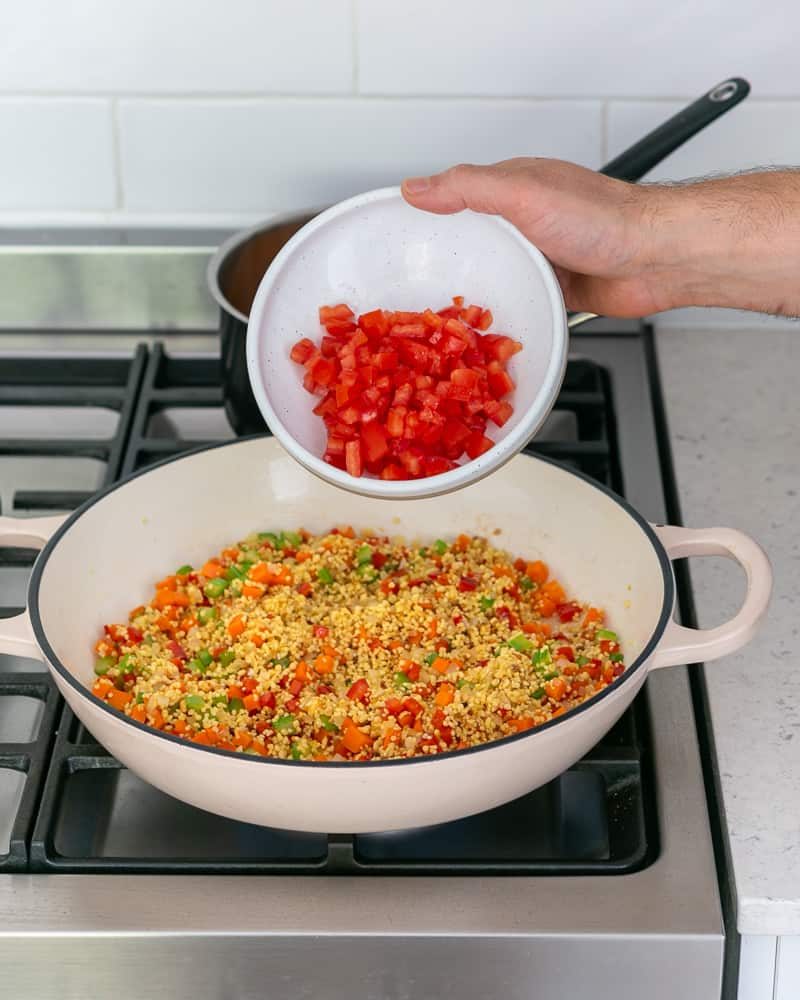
(635, 162)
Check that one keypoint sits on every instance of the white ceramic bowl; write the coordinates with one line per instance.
(376, 251)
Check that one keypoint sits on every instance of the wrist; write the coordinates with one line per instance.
(732, 242)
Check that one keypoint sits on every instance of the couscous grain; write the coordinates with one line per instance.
(351, 647)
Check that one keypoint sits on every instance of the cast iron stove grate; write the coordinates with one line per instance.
(45, 468)
(597, 818)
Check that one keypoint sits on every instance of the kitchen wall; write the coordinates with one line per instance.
(192, 112)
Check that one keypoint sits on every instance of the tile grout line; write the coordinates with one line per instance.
(349, 95)
(119, 198)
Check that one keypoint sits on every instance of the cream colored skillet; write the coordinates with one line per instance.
(102, 560)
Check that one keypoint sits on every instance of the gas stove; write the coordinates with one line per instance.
(601, 883)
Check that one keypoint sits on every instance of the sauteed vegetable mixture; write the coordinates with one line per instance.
(355, 647)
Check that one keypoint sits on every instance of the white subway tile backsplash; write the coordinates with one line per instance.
(751, 135)
(268, 155)
(575, 48)
(178, 46)
(56, 154)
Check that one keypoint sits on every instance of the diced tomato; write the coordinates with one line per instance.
(352, 458)
(568, 612)
(467, 583)
(477, 443)
(373, 442)
(567, 652)
(454, 434)
(340, 312)
(500, 383)
(435, 465)
(499, 411)
(406, 394)
(499, 347)
(302, 351)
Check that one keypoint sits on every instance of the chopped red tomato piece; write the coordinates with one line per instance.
(407, 394)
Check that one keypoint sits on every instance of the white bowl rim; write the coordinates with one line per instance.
(445, 482)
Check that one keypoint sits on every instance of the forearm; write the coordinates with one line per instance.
(731, 242)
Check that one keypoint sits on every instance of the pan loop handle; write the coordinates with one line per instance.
(681, 645)
(16, 634)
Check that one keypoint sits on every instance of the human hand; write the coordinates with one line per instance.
(623, 249)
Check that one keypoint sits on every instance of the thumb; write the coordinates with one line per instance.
(488, 189)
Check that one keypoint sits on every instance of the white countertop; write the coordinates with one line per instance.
(733, 401)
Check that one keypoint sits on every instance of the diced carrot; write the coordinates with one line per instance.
(303, 556)
(593, 615)
(252, 590)
(140, 610)
(537, 571)
(201, 738)
(500, 569)
(546, 606)
(179, 726)
(522, 723)
(541, 629)
(119, 699)
(102, 687)
(554, 591)
(104, 647)
(138, 713)
(301, 672)
(157, 719)
(226, 745)
(433, 628)
(212, 736)
(232, 554)
(396, 644)
(271, 574)
(441, 665)
(236, 626)
(445, 695)
(556, 688)
(257, 746)
(391, 736)
(257, 640)
(324, 664)
(168, 583)
(353, 738)
(165, 598)
(558, 711)
(252, 702)
(234, 691)
(260, 572)
(188, 621)
(461, 544)
(242, 738)
(211, 569)
(347, 531)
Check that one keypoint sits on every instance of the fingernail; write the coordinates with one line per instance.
(416, 185)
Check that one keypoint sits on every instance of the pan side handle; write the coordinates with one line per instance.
(680, 645)
(16, 633)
